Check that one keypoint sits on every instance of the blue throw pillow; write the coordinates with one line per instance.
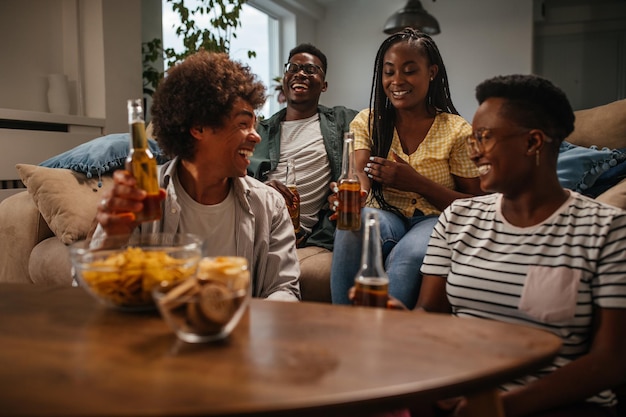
(579, 167)
(100, 155)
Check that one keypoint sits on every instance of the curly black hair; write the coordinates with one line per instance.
(307, 48)
(532, 102)
(200, 91)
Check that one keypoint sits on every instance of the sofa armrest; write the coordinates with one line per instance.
(21, 229)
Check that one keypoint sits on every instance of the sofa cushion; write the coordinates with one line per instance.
(315, 273)
(100, 155)
(67, 200)
(578, 167)
(602, 126)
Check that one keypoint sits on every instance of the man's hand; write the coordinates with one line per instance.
(116, 211)
(290, 198)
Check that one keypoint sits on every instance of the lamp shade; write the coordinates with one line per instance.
(413, 15)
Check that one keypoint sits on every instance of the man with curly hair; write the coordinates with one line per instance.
(203, 116)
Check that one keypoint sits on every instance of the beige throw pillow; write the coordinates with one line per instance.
(67, 200)
(602, 126)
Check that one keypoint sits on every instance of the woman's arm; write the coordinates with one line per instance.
(362, 157)
(603, 367)
(400, 175)
(433, 297)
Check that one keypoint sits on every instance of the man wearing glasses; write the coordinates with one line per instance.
(312, 135)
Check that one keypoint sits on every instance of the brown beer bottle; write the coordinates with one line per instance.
(349, 195)
(371, 283)
(142, 164)
(291, 183)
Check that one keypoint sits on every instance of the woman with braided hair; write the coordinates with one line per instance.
(411, 159)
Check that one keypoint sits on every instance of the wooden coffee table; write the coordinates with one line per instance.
(62, 354)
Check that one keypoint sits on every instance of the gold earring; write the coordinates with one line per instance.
(537, 157)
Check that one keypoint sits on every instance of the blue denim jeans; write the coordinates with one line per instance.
(403, 246)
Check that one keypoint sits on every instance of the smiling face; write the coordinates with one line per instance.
(227, 149)
(303, 88)
(502, 160)
(406, 75)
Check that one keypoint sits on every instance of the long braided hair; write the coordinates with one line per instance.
(383, 116)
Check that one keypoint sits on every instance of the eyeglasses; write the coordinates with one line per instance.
(483, 139)
(309, 69)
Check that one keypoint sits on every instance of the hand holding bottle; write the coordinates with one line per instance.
(290, 198)
(142, 164)
(117, 210)
(392, 302)
(333, 199)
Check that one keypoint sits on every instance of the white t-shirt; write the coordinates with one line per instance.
(302, 140)
(215, 223)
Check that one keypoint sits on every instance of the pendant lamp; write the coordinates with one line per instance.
(413, 15)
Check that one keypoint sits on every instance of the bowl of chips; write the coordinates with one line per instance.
(121, 272)
(208, 306)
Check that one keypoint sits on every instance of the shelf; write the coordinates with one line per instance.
(43, 117)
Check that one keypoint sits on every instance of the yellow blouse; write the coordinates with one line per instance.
(443, 153)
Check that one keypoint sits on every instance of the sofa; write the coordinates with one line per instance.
(59, 206)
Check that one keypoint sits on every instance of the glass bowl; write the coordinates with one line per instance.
(208, 306)
(123, 274)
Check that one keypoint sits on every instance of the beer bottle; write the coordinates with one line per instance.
(290, 182)
(142, 164)
(371, 283)
(349, 195)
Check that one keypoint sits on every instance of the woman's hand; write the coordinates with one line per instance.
(392, 302)
(455, 407)
(396, 174)
(116, 211)
(333, 199)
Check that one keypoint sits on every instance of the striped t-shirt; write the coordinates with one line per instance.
(548, 276)
(302, 141)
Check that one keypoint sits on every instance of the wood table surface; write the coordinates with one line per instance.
(63, 354)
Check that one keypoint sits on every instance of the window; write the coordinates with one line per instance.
(258, 32)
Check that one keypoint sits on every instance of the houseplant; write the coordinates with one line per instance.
(223, 19)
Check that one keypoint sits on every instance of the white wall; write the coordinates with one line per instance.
(478, 39)
(100, 39)
(25, 60)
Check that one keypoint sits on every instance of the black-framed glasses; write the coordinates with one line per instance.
(484, 139)
(309, 69)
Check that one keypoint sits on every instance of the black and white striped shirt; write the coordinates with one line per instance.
(549, 276)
